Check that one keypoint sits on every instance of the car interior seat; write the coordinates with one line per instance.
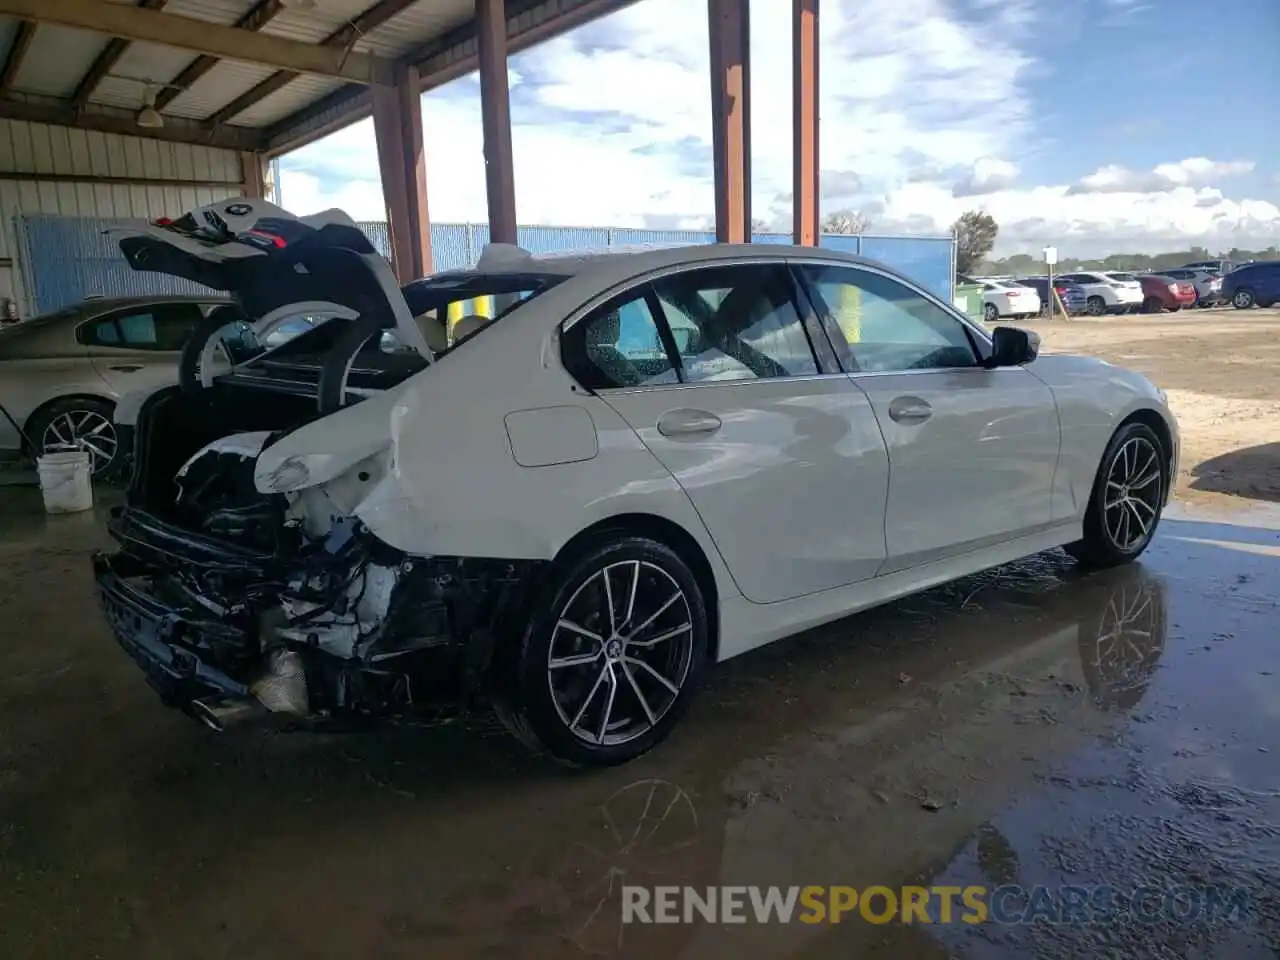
(433, 330)
(468, 325)
(603, 352)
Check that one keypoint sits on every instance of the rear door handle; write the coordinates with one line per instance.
(686, 423)
(909, 410)
(125, 367)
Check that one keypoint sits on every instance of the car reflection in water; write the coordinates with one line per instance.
(837, 805)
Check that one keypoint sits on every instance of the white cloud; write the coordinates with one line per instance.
(924, 115)
(987, 175)
(1194, 171)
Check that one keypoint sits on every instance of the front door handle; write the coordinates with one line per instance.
(685, 423)
(125, 367)
(909, 410)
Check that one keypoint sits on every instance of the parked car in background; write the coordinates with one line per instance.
(1007, 298)
(1219, 267)
(1106, 294)
(1254, 284)
(1208, 285)
(62, 373)
(1074, 300)
(1162, 293)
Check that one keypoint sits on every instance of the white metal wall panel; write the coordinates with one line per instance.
(37, 148)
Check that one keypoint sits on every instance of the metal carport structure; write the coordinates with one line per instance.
(252, 80)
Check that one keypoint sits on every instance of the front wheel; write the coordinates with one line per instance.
(990, 313)
(1152, 305)
(612, 654)
(1127, 500)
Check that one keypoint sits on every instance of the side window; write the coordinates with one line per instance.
(99, 333)
(889, 327)
(735, 323)
(619, 345)
(157, 327)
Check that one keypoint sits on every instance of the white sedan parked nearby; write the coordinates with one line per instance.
(1108, 293)
(1005, 298)
(642, 464)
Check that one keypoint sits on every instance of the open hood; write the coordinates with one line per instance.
(275, 265)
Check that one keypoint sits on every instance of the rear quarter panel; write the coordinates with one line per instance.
(25, 385)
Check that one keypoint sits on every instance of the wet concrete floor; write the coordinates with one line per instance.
(1032, 727)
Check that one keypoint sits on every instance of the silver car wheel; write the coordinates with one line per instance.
(1134, 490)
(86, 430)
(620, 653)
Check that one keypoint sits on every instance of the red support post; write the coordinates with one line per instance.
(397, 125)
(495, 110)
(729, 30)
(804, 121)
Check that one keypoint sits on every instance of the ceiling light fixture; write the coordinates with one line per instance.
(299, 4)
(149, 117)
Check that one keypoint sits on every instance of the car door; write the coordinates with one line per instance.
(715, 369)
(972, 451)
(138, 347)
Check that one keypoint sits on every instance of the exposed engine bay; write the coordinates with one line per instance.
(243, 597)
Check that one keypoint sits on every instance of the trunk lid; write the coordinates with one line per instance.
(276, 266)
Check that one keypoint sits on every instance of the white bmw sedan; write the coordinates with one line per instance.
(634, 466)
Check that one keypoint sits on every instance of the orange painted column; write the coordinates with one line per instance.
(729, 30)
(804, 121)
(495, 112)
(402, 163)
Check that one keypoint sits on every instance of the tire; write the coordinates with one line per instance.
(562, 710)
(1152, 305)
(1106, 543)
(78, 423)
(1243, 299)
(1096, 306)
(989, 313)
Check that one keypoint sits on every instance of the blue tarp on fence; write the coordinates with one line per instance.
(66, 259)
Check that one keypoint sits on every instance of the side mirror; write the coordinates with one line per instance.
(1012, 347)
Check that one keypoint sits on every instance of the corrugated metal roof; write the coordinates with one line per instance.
(416, 26)
(217, 88)
(286, 102)
(56, 60)
(59, 58)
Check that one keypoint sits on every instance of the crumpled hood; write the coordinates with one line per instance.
(274, 264)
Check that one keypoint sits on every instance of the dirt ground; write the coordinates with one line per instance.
(1221, 370)
(1034, 725)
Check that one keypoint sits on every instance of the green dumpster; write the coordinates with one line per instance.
(968, 298)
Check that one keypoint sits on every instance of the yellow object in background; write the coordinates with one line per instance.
(848, 310)
(465, 308)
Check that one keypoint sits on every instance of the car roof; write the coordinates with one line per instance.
(625, 261)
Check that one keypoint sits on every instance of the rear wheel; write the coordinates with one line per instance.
(1096, 306)
(77, 423)
(1127, 500)
(611, 656)
(1243, 299)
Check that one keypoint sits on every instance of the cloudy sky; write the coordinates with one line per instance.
(1098, 125)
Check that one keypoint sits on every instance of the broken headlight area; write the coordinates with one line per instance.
(336, 627)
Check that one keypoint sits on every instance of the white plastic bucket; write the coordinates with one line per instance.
(66, 481)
